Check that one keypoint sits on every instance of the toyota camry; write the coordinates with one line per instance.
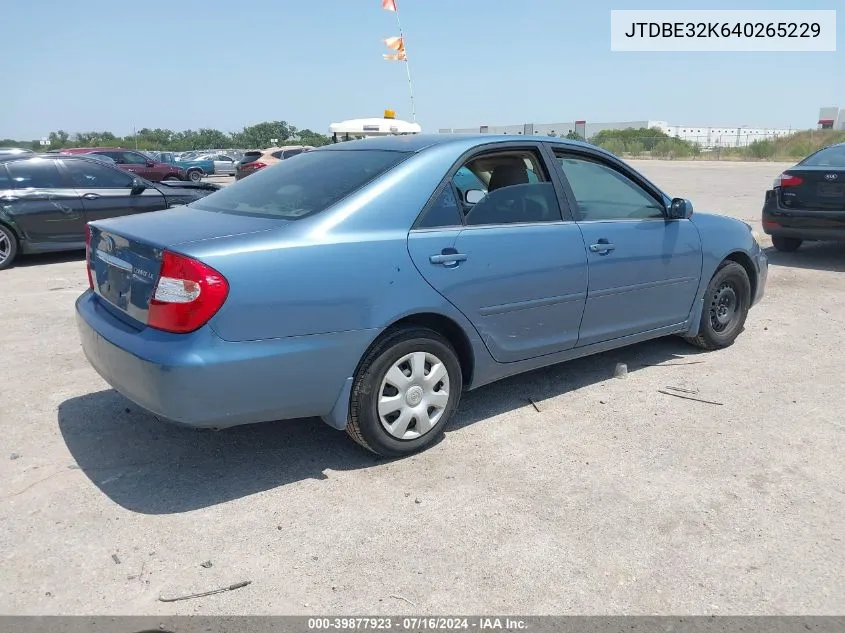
(370, 282)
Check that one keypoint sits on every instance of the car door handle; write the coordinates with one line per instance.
(602, 248)
(447, 258)
(91, 196)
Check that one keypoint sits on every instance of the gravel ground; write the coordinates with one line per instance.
(613, 498)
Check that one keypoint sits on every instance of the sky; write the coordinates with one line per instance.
(100, 65)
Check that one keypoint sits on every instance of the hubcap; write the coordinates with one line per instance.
(723, 307)
(413, 395)
(5, 247)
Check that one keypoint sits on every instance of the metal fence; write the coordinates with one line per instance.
(719, 147)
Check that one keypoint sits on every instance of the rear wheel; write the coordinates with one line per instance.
(406, 390)
(726, 303)
(8, 247)
(786, 244)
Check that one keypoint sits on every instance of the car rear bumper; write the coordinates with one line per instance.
(800, 223)
(200, 380)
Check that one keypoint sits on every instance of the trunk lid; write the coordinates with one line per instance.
(126, 253)
(820, 189)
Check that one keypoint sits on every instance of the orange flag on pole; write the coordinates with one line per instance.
(388, 5)
(398, 57)
(395, 43)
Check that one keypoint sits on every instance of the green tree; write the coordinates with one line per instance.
(315, 139)
(634, 148)
(261, 135)
(613, 145)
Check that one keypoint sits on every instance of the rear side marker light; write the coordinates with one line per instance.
(187, 295)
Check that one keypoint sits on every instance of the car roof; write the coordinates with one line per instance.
(13, 157)
(419, 142)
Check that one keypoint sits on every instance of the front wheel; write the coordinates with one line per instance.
(726, 304)
(8, 247)
(195, 176)
(406, 390)
(786, 244)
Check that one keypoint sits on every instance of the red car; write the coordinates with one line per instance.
(135, 162)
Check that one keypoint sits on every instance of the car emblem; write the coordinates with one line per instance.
(107, 244)
(831, 176)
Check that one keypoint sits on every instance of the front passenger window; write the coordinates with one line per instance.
(131, 158)
(87, 174)
(602, 193)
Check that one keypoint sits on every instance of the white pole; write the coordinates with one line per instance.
(407, 64)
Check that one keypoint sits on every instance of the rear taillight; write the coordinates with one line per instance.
(187, 295)
(787, 180)
(88, 256)
(254, 165)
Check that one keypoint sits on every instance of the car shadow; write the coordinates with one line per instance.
(152, 467)
(43, 259)
(812, 256)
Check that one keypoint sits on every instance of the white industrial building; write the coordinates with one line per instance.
(706, 136)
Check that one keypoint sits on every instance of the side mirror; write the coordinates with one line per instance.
(680, 209)
(138, 186)
(473, 196)
(151, 163)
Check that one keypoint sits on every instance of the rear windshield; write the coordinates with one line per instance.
(302, 185)
(829, 157)
(251, 156)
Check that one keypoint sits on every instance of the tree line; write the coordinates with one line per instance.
(256, 136)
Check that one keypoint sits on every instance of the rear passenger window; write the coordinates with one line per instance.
(516, 190)
(444, 212)
(35, 173)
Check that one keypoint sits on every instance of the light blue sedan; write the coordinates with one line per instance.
(369, 283)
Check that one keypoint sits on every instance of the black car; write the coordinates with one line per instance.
(807, 202)
(46, 200)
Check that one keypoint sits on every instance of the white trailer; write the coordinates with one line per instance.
(363, 128)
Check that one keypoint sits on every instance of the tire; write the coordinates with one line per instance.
(726, 304)
(405, 349)
(195, 175)
(8, 247)
(786, 244)
(171, 178)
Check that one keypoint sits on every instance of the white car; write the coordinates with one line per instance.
(223, 163)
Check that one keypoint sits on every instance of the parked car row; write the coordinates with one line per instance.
(47, 200)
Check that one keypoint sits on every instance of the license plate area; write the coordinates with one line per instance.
(828, 190)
